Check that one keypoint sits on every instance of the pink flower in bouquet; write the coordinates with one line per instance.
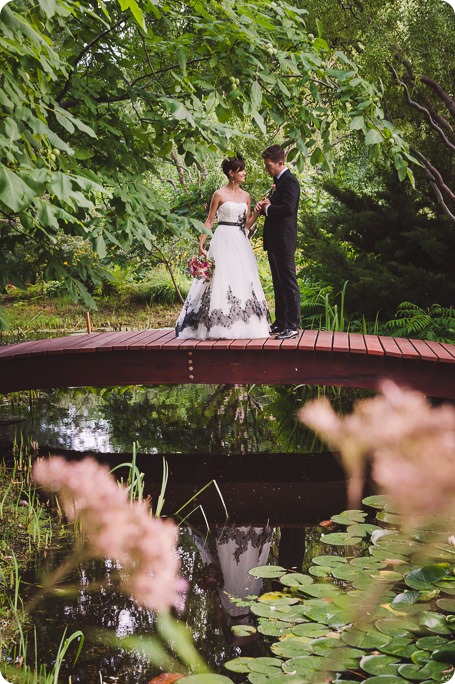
(200, 267)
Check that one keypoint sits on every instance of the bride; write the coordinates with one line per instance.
(232, 303)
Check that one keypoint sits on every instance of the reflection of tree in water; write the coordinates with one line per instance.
(218, 419)
(215, 418)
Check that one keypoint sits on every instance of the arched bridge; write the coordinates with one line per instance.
(158, 357)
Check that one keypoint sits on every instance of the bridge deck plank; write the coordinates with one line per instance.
(341, 342)
(324, 341)
(373, 345)
(406, 348)
(308, 340)
(449, 348)
(443, 354)
(390, 346)
(424, 350)
(257, 343)
(357, 343)
(293, 343)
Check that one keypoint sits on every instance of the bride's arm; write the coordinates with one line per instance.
(214, 204)
(252, 217)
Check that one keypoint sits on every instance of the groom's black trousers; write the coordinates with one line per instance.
(286, 288)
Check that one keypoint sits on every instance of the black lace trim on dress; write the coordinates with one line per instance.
(209, 318)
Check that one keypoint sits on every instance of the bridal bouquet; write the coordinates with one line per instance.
(201, 267)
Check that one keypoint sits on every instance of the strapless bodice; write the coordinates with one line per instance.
(232, 212)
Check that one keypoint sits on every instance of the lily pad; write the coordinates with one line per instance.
(238, 664)
(276, 628)
(349, 517)
(365, 640)
(445, 654)
(303, 665)
(340, 539)
(296, 579)
(243, 630)
(379, 664)
(376, 501)
(345, 572)
(268, 666)
(321, 590)
(434, 622)
(330, 561)
(361, 529)
(401, 646)
(278, 598)
(267, 571)
(396, 627)
(292, 647)
(431, 670)
(423, 579)
(431, 643)
(407, 598)
(339, 659)
(283, 612)
(446, 604)
(207, 679)
(385, 679)
(389, 518)
(320, 571)
(310, 629)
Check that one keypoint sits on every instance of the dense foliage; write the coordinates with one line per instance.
(99, 102)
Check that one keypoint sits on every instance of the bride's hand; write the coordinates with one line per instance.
(202, 252)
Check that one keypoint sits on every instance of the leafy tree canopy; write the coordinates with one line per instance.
(97, 100)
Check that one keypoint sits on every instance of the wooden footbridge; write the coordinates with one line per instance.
(159, 357)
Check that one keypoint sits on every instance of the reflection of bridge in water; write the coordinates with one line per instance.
(276, 489)
(159, 357)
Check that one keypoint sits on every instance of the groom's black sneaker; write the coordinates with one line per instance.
(287, 334)
(276, 328)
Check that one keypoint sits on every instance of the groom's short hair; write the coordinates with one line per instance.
(275, 153)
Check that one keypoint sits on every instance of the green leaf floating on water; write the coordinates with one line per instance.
(423, 578)
(292, 647)
(445, 654)
(243, 630)
(268, 571)
(206, 679)
(238, 664)
(340, 539)
(376, 501)
(296, 579)
(434, 622)
(379, 664)
(431, 670)
(349, 517)
(329, 561)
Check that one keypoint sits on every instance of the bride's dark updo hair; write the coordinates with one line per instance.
(232, 164)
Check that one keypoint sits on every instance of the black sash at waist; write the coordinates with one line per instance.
(230, 223)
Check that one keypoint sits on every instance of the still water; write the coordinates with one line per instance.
(264, 483)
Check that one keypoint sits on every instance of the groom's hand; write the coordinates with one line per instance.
(259, 208)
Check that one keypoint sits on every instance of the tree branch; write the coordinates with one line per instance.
(448, 101)
(424, 110)
(81, 54)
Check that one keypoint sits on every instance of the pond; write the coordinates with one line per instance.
(249, 482)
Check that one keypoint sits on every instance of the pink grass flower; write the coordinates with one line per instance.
(116, 528)
(411, 444)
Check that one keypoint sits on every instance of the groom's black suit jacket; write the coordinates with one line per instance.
(280, 225)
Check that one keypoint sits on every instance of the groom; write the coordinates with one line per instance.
(280, 241)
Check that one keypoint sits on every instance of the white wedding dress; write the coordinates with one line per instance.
(232, 304)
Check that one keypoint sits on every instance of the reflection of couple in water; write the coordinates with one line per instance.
(232, 303)
(225, 572)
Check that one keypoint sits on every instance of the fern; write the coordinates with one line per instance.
(436, 323)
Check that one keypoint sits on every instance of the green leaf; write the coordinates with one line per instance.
(238, 664)
(15, 194)
(423, 578)
(269, 571)
(373, 137)
(256, 95)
